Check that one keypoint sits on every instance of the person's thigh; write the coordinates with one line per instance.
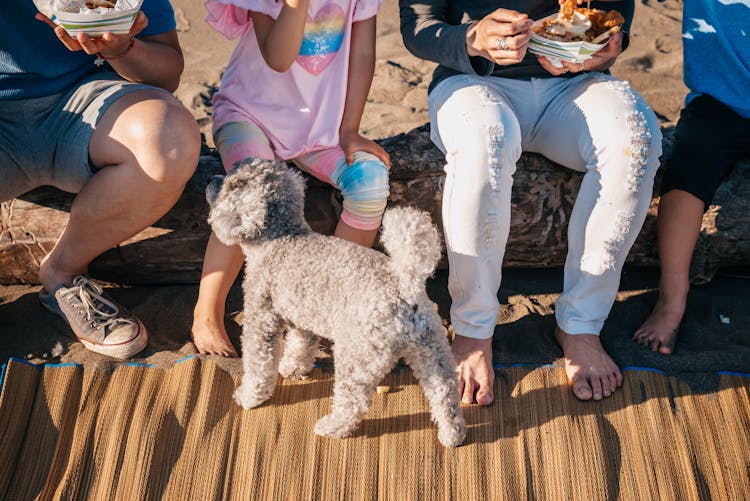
(595, 121)
(474, 114)
(710, 138)
(150, 130)
(57, 152)
(19, 149)
(238, 141)
(473, 123)
(324, 164)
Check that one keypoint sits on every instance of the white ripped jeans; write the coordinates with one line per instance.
(591, 123)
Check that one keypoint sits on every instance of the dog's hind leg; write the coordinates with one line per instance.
(261, 340)
(353, 388)
(432, 362)
(299, 354)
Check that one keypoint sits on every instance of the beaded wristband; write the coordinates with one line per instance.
(100, 58)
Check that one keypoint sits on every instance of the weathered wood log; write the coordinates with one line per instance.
(171, 251)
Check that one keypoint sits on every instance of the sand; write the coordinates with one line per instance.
(397, 103)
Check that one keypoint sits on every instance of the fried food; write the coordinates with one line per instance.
(602, 20)
(581, 25)
(567, 8)
(105, 4)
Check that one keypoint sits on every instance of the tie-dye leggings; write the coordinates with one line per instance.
(363, 184)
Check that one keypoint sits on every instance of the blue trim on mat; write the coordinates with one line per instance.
(23, 361)
(730, 373)
(75, 364)
(644, 369)
(41, 367)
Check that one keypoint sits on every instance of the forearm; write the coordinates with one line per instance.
(280, 40)
(151, 61)
(361, 71)
(429, 36)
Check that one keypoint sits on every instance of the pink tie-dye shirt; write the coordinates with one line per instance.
(301, 109)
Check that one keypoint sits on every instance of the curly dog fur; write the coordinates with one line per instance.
(300, 285)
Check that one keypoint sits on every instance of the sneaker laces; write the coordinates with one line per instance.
(87, 296)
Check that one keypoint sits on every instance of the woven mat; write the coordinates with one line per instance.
(75, 432)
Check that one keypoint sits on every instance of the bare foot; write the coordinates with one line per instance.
(211, 338)
(476, 378)
(659, 331)
(590, 370)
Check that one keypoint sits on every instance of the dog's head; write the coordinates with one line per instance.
(258, 200)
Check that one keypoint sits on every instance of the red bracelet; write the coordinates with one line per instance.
(100, 58)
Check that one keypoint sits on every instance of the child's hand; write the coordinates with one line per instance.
(354, 141)
(108, 45)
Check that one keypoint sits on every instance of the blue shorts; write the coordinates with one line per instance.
(45, 140)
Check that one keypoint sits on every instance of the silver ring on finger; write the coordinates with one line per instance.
(502, 43)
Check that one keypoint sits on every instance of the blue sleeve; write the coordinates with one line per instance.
(160, 17)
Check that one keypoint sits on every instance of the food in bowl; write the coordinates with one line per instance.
(579, 24)
(104, 4)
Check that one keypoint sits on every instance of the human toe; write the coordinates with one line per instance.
(485, 395)
(229, 352)
(596, 387)
(468, 395)
(665, 349)
(640, 334)
(613, 384)
(581, 387)
(618, 376)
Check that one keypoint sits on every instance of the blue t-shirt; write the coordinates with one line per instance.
(716, 44)
(34, 63)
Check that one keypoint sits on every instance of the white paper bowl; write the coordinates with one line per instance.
(116, 21)
(554, 51)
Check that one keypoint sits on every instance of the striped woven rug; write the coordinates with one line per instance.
(75, 432)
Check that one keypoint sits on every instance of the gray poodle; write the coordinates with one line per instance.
(300, 285)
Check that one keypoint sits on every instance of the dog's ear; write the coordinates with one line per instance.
(238, 212)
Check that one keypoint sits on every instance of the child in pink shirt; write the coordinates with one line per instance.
(295, 88)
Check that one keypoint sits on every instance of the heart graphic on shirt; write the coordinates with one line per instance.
(323, 37)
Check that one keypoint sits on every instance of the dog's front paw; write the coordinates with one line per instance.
(333, 426)
(452, 434)
(247, 398)
(291, 371)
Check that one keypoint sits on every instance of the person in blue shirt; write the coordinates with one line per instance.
(712, 135)
(112, 133)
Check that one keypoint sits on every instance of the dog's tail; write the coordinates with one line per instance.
(413, 243)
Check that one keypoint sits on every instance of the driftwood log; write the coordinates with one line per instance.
(171, 251)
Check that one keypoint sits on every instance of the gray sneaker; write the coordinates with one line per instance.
(96, 320)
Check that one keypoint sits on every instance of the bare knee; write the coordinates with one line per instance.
(156, 133)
